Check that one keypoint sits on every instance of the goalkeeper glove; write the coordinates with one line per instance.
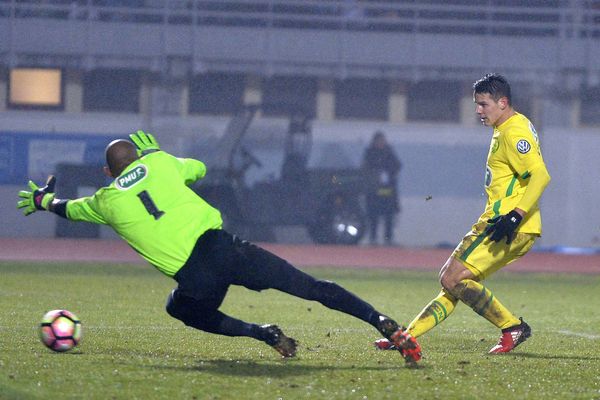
(38, 198)
(144, 142)
(503, 226)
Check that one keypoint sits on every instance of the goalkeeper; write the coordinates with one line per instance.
(515, 178)
(150, 205)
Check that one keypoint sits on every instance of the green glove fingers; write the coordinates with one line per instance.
(145, 142)
(38, 198)
(33, 186)
(26, 204)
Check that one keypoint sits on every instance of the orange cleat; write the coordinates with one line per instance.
(400, 339)
(511, 338)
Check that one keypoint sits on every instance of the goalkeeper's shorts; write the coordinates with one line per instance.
(483, 256)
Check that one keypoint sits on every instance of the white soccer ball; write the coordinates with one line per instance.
(60, 330)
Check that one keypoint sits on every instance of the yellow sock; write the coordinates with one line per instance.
(434, 313)
(483, 302)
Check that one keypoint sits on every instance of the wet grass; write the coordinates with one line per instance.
(132, 349)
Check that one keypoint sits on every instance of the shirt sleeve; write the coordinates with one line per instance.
(84, 209)
(523, 152)
(191, 170)
(538, 180)
(525, 158)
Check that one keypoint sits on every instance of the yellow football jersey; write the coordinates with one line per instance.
(514, 152)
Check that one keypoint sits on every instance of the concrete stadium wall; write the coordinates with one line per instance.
(442, 162)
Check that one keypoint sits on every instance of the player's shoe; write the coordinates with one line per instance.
(274, 337)
(511, 338)
(384, 344)
(400, 339)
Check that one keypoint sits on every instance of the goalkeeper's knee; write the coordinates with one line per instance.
(192, 313)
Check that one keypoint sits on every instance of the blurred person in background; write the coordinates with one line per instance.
(515, 178)
(381, 167)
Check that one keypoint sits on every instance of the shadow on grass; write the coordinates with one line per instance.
(553, 356)
(281, 368)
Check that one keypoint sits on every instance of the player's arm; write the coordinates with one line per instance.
(505, 225)
(529, 165)
(83, 209)
(40, 198)
(539, 178)
(44, 199)
(191, 170)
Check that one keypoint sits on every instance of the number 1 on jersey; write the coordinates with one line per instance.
(149, 204)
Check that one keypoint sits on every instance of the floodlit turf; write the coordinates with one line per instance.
(132, 349)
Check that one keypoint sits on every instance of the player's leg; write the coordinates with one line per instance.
(204, 315)
(433, 314)
(203, 284)
(436, 311)
(260, 269)
(462, 283)
(476, 258)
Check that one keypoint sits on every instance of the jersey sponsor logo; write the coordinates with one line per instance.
(131, 178)
(523, 146)
(488, 176)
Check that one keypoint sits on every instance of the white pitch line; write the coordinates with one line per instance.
(580, 334)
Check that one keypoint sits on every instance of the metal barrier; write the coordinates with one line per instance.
(554, 18)
(552, 41)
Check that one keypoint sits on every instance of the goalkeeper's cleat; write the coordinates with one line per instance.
(511, 338)
(274, 337)
(400, 339)
(384, 344)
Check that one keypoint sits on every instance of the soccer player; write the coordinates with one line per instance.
(515, 178)
(150, 205)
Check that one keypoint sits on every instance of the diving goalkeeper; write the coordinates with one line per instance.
(515, 178)
(150, 205)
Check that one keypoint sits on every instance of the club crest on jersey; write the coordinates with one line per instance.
(495, 145)
(131, 178)
(523, 146)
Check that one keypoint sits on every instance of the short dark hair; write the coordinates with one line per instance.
(494, 84)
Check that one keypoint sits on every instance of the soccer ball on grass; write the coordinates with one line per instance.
(60, 330)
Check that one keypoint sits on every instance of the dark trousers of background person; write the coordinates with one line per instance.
(380, 207)
(388, 225)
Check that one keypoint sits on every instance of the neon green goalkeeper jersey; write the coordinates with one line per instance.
(151, 206)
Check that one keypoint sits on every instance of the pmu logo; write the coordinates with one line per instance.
(523, 146)
(131, 178)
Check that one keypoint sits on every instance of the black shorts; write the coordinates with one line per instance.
(220, 259)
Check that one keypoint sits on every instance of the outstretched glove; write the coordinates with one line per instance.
(144, 142)
(38, 198)
(503, 226)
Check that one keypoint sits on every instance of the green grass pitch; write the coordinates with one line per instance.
(132, 349)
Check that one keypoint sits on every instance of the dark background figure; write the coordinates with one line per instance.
(381, 167)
